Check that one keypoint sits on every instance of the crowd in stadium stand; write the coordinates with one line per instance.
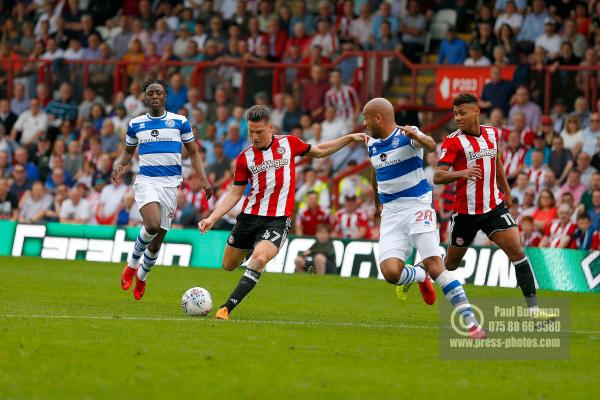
(58, 143)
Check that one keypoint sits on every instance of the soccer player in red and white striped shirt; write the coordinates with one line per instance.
(263, 224)
(472, 154)
(343, 98)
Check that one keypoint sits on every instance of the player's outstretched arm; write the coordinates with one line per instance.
(231, 199)
(419, 137)
(327, 148)
(192, 148)
(122, 161)
(443, 175)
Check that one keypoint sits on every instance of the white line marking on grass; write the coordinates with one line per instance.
(315, 323)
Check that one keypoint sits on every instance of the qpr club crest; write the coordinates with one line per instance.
(280, 150)
(169, 123)
(154, 133)
(383, 156)
(395, 142)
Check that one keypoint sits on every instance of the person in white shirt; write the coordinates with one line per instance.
(550, 41)
(333, 126)
(32, 124)
(362, 26)
(75, 209)
(52, 52)
(326, 39)
(133, 102)
(278, 111)
(74, 51)
(476, 57)
(111, 198)
(510, 17)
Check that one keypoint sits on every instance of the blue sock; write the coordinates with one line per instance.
(141, 243)
(149, 261)
(456, 295)
(411, 274)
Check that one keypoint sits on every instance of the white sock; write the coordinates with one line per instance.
(141, 243)
(149, 261)
(456, 295)
(411, 274)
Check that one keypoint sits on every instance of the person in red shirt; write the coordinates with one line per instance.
(530, 237)
(313, 94)
(300, 39)
(312, 216)
(262, 226)
(559, 233)
(472, 154)
(350, 222)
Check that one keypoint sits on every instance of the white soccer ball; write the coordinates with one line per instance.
(197, 302)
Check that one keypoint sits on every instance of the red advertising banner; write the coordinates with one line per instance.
(450, 81)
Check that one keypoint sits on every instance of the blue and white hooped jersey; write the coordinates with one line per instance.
(398, 165)
(160, 142)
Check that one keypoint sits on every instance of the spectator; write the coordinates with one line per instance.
(501, 5)
(535, 81)
(311, 216)
(530, 237)
(73, 160)
(533, 26)
(21, 157)
(561, 160)
(361, 27)
(7, 117)
(574, 185)
(19, 103)
(485, 39)
(325, 39)
(584, 78)
(311, 183)
(109, 140)
(320, 257)
(53, 213)
(572, 135)
(109, 204)
(532, 111)
(582, 19)
(333, 126)
(85, 176)
(64, 108)
(539, 144)
(570, 35)
(558, 234)
(313, 94)
(582, 111)
(584, 234)
(550, 41)
(120, 42)
(506, 39)
(9, 207)
(343, 98)
(536, 173)
(513, 158)
(453, 50)
(89, 99)
(583, 165)
(591, 134)
(75, 209)
(349, 221)
(497, 92)
(218, 170)
(386, 41)
(385, 14)
(511, 17)
(234, 144)
(546, 209)
(521, 184)
(278, 111)
(476, 57)
(177, 93)
(103, 171)
(565, 81)
(594, 211)
(30, 125)
(412, 28)
(559, 115)
(277, 39)
(34, 204)
(300, 15)
(58, 177)
(292, 115)
(528, 208)
(4, 163)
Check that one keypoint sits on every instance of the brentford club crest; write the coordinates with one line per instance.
(280, 150)
(230, 239)
(169, 123)
(460, 241)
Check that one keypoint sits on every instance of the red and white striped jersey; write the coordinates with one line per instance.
(461, 151)
(555, 232)
(536, 177)
(272, 174)
(348, 224)
(532, 239)
(342, 100)
(513, 160)
(198, 200)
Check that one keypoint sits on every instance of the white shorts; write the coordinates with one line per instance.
(403, 230)
(166, 196)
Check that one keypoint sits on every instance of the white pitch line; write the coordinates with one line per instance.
(249, 321)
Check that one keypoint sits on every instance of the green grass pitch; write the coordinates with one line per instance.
(68, 331)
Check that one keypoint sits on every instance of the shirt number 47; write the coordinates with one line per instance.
(267, 235)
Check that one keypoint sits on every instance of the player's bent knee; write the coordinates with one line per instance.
(152, 228)
(229, 266)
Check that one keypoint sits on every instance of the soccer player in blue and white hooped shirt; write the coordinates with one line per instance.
(160, 136)
(407, 218)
